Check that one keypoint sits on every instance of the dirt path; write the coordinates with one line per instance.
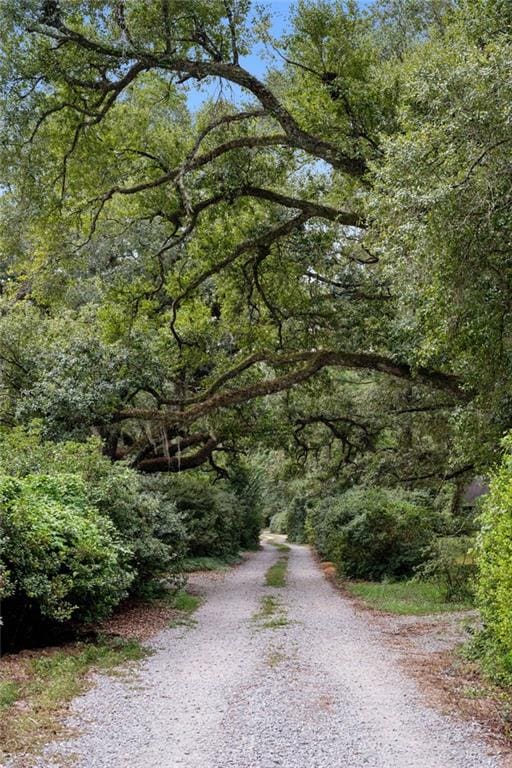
(320, 690)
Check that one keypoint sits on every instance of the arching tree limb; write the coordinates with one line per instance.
(314, 361)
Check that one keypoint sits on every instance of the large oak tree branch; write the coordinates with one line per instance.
(314, 361)
(263, 240)
(198, 69)
(177, 462)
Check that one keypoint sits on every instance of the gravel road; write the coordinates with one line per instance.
(228, 692)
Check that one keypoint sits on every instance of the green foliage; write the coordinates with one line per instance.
(210, 512)
(246, 482)
(61, 558)
(146, 520)
(151, 521)
(296, 518)
(286, 498)
(450, 562)
(494, 555)
(451, 286)
(345, 248)
(373, 534)
(417, 598)
(279, 522)
(146, 283)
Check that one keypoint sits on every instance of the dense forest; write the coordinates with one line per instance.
(228, 297)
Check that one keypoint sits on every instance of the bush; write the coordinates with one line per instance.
(61, 559)
(145, 518)
(146, 521)
(373, 534)
(211, 514)
(279, 522)
(296, 518)
(326, 516)
(251, 524)
(246, 484)
(451, 564)
(494, 559)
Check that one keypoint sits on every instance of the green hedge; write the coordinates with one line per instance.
(494, 559)
(61, 559)
(73, 545)
(373, 533)
(146, 520)
(211, 513)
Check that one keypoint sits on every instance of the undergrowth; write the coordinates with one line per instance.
(415, 598)
(192, 564)
(184, 601)
(34, 690)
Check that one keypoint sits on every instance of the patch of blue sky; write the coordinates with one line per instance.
(256, 62)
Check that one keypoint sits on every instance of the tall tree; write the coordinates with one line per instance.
(183, 265)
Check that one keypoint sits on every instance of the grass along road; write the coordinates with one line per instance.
(239, 689)
(417, 598)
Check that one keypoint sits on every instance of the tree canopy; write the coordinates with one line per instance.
(335, 233)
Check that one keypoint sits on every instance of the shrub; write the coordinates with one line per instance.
(278, 522)
(211, 514)
(61, 559)
(326, 516)
(494, 558)
(451, 564)
(373, 534)
(146, 521)
(145, 518)
(246, 484)
(296, 518)
(251, 524)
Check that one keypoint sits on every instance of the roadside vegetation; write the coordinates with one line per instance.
(36, 687)
(192, 564)
(294, 311)
(77, 543)
(185, 602)
(411, 597)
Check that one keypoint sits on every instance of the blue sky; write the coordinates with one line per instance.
(255, 63)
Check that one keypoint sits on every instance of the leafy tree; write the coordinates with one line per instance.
(216, 257)
(336, 237)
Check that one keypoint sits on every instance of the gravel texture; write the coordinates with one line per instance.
(323, 690)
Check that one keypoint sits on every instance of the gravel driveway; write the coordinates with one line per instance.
(321, 690)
